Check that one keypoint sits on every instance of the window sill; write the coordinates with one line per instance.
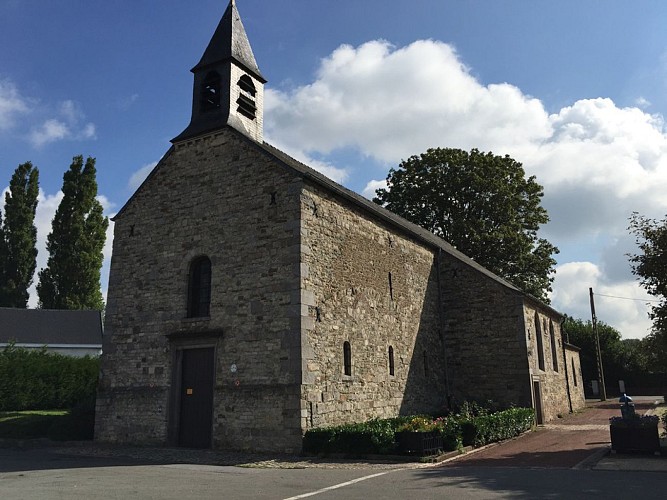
(196, 320)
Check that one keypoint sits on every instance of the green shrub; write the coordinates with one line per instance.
(36, 380)
(475, 426)
(488, 428)
(375, 436)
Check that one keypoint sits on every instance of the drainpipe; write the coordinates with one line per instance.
(567, 379)
(442, 331)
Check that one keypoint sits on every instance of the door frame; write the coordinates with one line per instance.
(538, 403)
(178, 343)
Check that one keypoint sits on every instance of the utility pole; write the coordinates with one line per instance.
(603, 389)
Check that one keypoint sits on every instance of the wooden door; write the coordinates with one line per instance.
(196, 413)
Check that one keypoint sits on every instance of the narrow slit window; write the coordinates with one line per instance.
(391, 288)
(199, 288)
(574, 374)
(540, 346)
(554, 352)
(391, 360)
(426, 368)
(347, 358)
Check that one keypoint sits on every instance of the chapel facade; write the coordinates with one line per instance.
(251, 298)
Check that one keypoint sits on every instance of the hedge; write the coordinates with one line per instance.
(378, 436)
(39, 380)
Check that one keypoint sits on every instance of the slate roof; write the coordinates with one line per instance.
(48, 327)
(230, 41)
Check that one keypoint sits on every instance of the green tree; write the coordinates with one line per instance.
(71, 278)
(650, 267)
(622, 359)
(483, 205)
(18, 235)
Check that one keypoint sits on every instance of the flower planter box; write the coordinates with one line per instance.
(635, 438)
(419, 443)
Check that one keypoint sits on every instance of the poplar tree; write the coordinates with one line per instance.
(18, 237)
(71, 278)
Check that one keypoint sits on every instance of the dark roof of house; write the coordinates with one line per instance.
(230, 41)
(47, 326)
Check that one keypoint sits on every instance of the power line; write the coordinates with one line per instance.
(626, 298)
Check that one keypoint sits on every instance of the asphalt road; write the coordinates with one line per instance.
(40, 474)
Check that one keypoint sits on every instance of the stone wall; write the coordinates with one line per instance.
(484, 336)
(223, 197)
(373, 287)
(296, 273)
(574, 377)
(546, 359)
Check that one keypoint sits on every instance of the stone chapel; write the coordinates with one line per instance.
(251, 298)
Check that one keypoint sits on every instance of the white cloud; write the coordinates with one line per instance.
(372, 186)
(140, 175)
(50, 131)
(69, 125)
(642, 102)
(598, 162)
(392, 103)
(622, 304)
(12, 104)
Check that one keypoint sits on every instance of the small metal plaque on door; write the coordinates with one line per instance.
(188, 392)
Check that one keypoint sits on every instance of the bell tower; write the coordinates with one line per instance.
(228, 86)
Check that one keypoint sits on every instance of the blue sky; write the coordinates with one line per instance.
(574, 90)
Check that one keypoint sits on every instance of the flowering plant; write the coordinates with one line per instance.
(418, 424)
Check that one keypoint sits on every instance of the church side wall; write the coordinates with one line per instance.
(365, 284)
(484, 336)
(574, 376)
(547, 367)
(221, 197)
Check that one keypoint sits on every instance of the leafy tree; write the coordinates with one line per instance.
(622, 359)
(483, 205)
(18, 237)
(581, 334)
(71, 279)
(650, 266)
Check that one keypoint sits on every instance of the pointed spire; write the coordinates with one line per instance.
(230, 42)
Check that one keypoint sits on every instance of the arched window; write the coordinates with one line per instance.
(210, 92)
(199, 288)
(540, 346)
(347, 358)
(554, 354)
(246, 100)
(245, 84)
(391, 360)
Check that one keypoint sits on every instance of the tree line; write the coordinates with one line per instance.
(71, 278)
